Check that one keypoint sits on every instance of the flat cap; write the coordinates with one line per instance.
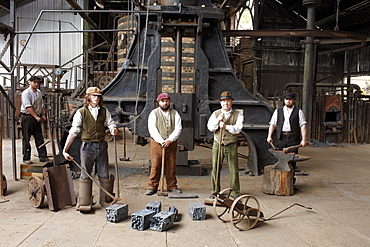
(226, 95)
(93, 91)
(289, 96)
(35, 78)
(163, 96)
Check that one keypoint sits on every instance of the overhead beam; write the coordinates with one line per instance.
(92, 24)
(296, 33)
(281, 9)
(347, 11)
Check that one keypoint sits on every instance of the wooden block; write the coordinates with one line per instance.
(28, 171)
(277, 182)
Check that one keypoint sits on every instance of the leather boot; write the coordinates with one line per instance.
(107, 184)
(85, 199)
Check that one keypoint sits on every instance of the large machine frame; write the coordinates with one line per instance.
(130, 96)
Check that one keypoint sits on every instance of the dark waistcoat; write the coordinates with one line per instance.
(93, 131)
(294, 123)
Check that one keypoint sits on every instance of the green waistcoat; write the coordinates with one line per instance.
(165, 125)
(93, 131)
(227, 137)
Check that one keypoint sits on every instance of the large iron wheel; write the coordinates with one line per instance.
(222, 211)
(245, 212)
(247, 153)
(36, 192)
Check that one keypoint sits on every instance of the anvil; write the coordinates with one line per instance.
(284, 159)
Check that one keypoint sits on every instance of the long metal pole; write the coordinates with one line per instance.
(178, 62)
(13, 88)
(309, 64)
(1, 154)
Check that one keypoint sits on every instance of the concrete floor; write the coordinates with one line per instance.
(337, 188)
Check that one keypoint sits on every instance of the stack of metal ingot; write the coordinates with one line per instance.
(141, 219)
(153, 217)
(117, 212)
(197, 211)
(162, 221)
(154, 206)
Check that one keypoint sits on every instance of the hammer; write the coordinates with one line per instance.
(287, 149)
(273, 146)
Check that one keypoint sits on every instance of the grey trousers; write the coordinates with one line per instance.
(94, 153)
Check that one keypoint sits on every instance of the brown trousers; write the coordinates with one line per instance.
(169, 164)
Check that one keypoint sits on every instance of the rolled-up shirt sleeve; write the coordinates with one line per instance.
(26, 100)
(153, 131)
(213, 123)
(273, 120)
(238, 126)
(302, 119)
(178, 127)
(109, 121)
(76, 124)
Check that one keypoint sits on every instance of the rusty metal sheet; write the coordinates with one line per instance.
(59, 187)
(333, 103)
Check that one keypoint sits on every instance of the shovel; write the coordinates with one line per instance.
(162, 192)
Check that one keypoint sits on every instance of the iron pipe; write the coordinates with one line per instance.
(178, 60)
(357, 87)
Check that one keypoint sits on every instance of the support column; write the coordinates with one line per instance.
(13, 89)
(309, 64)
(178, 60)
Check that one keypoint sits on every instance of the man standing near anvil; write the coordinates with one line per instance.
(290, 125)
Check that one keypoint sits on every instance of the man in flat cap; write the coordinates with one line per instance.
(32, 116)
(290, 125)
(226, 123)
(164, 124)
(91, 120)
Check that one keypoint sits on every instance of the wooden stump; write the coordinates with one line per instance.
(277, 182)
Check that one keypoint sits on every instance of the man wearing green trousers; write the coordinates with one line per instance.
(226, 123)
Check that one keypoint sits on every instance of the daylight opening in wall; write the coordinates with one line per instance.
(363, 82)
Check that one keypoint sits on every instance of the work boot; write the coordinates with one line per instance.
(107, 184)
(85, 199)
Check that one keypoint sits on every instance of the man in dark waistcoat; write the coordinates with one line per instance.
(290, 125)
(91, 119)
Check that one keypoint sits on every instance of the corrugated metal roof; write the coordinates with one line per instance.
(43, 49)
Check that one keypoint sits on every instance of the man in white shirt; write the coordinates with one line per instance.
(32, 116)
(91, 119)
(290, 125)
(228, 122)
(164, 124)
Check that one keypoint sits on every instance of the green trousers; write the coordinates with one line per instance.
(230, 152)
